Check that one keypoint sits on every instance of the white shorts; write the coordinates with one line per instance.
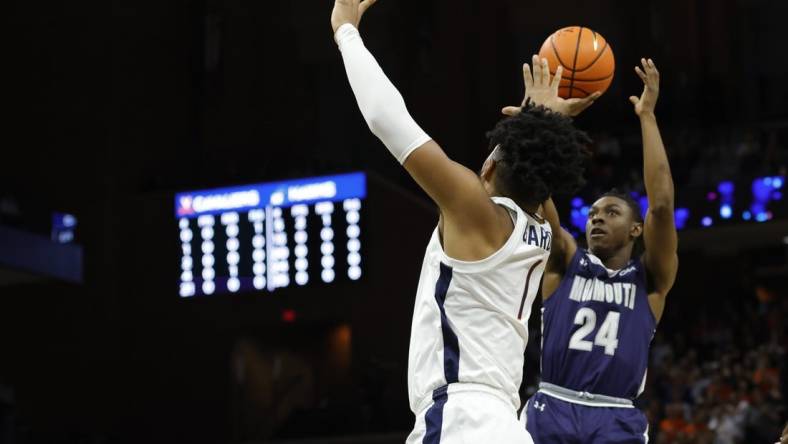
(468, 417)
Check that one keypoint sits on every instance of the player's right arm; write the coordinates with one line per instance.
(659, 229)
(473, 226)
(562, 250)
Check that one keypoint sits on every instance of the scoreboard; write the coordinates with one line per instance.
(258, 238)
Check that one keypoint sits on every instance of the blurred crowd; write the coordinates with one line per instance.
(721, 379)
(698, 157)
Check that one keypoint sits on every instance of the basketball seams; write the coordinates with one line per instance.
(574, 62)
(599, 56)
(573, 84)
(590, 80)
(582, 90)
(555, 50)
(579, 89)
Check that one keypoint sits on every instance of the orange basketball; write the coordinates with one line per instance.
(586, 57)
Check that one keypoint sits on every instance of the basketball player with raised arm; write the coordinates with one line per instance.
(484, 262)
(601, 306)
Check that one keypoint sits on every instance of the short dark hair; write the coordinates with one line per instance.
(637, 211)
(637, 215)
(540, 153)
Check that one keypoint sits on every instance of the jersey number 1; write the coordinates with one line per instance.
(607, 336)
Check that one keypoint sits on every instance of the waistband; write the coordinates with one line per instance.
(460, 387)
(583, 398)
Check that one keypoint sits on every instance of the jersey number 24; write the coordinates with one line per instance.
(606, 337)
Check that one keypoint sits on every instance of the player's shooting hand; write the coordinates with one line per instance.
(542, 90)
(648, 100)
(784, 438)
(349, 11)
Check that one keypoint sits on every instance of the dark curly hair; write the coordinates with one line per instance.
(540, 153)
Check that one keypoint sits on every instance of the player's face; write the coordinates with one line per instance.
(610, 226)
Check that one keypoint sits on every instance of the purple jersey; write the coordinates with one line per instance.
(597, 328)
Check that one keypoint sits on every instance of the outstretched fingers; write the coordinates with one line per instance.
(648, 73)
(557, 79)
(545, 73)
(641, 74)
(528, 78)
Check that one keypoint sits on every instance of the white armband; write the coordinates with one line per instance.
(379, 101)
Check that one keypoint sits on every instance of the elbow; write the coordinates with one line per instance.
(382, 113)
(378, 119)
(661, 198)
(661, 208)
(375, 125)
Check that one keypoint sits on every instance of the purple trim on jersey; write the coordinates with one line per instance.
(434, 416)
(527, 288)
(451, 345)
(579, 356)
(451, 361)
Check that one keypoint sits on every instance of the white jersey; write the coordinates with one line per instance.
(470, 320)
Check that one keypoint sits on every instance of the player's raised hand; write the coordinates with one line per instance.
(542, 89)
(349, 11)
(648, 100)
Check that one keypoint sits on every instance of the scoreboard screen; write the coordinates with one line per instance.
(262, 237)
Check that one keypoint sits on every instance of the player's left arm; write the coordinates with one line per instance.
(659, 231)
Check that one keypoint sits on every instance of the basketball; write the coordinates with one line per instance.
(587, 59)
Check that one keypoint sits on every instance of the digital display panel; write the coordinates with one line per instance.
(262, 237)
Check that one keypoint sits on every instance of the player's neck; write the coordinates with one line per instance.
(617, 260)
(530, 208)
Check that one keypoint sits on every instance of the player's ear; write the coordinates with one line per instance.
(637, 230)
(488, 170)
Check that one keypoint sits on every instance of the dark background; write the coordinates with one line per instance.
(114, 106)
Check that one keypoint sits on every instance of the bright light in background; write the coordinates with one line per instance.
(733, 204)
(725, 188)
(64, 224)
(578, 220)
(643, 202)
(681, 215)
(328, 275)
